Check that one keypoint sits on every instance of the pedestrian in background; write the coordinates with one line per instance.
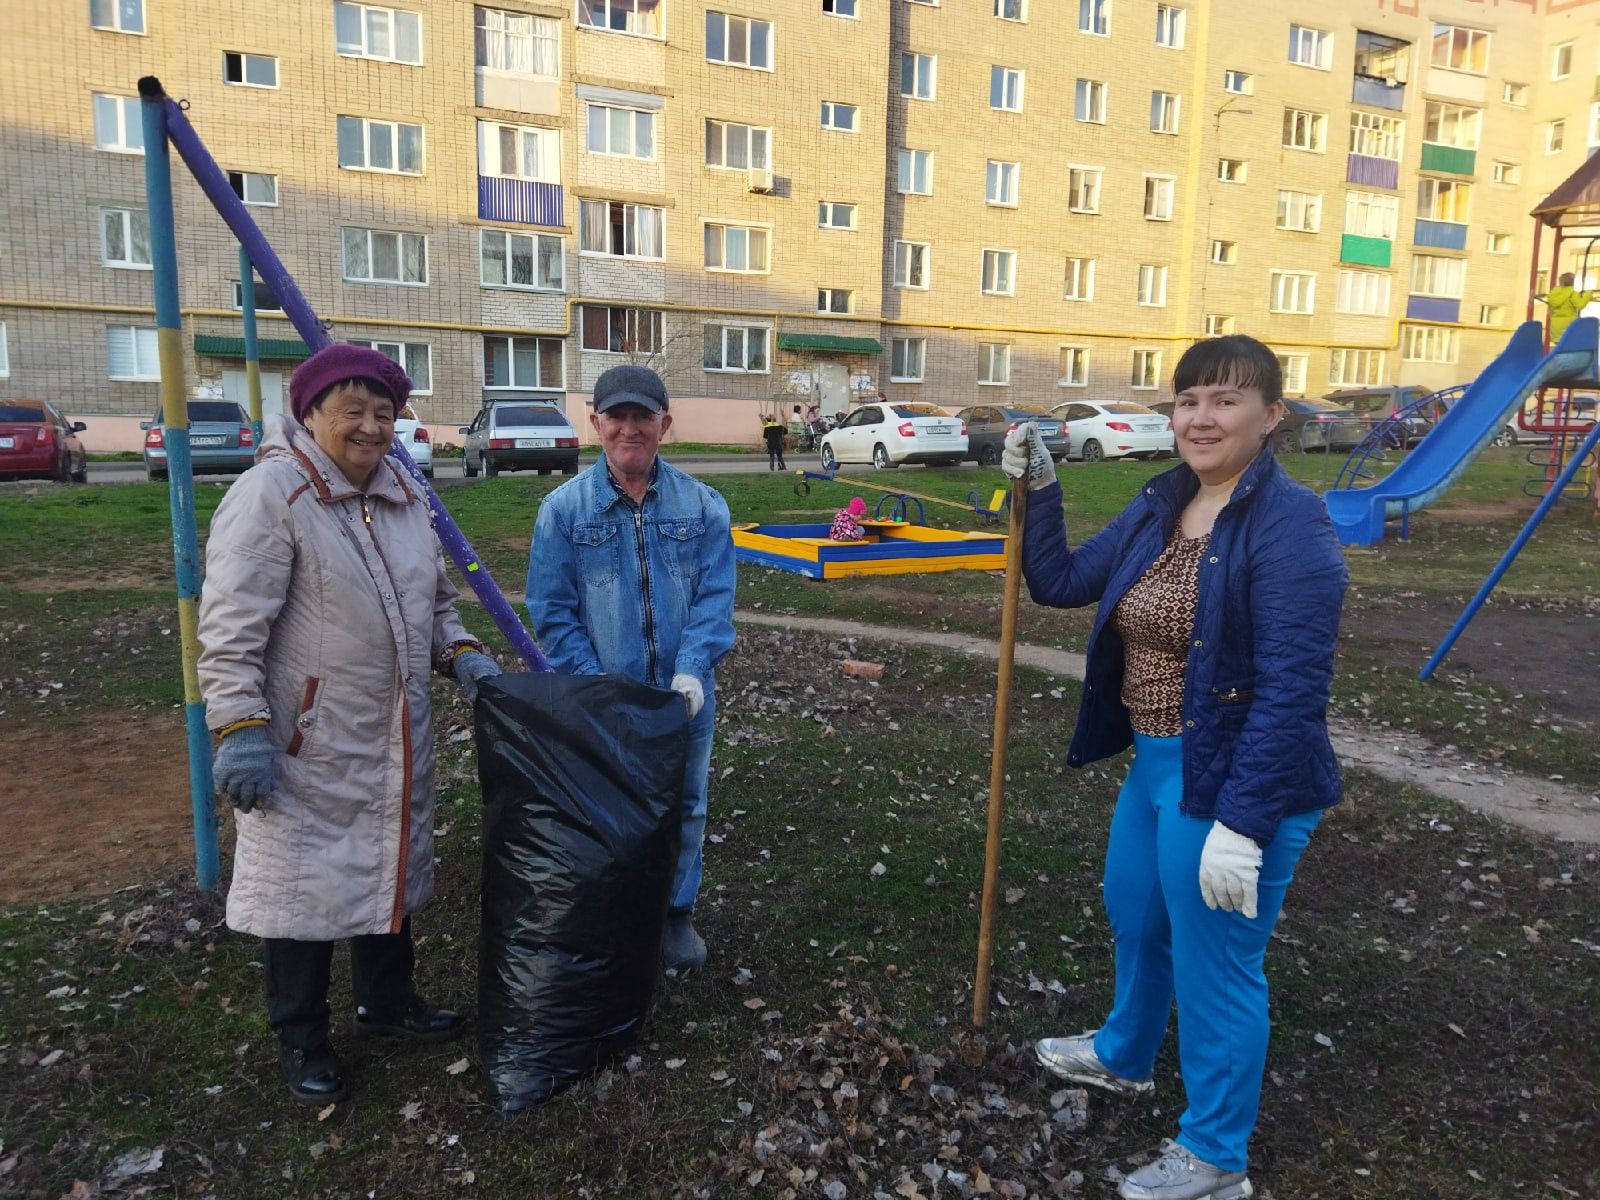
(772, 432)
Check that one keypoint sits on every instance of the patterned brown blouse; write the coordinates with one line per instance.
(1156, 619)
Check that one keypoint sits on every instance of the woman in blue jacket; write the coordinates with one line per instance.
(1218, 592)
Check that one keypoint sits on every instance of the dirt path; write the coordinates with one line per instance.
(1549, 807)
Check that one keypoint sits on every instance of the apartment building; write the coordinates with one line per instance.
(794, 200)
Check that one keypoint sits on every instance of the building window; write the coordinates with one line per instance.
(1163, 112)
(1074, 368)
(1514, 94)
(911, 264)
(131, 353)
(619, 230)
(1363, 293)
(1000, 272)
(1078, 283)
(1146, 370)
(918, 75)
(520, 260)
(415, 358)
(125, 238)
(1240, 83)
(1089, 101)
(390, 146)
(1458, 49)
(519, 152)
(117, 16)
(524, 362)
(1429, 343)
(839, 116)
(616, 329)
(994, 364)
(1508, 173)
(905, 359)
(737, 249)
(1371, 214)
(836, 300)
(738, 41)
(1293, 367)
(254, 188)
(1443, 200)
(1170, 23)
(737, 348)
(1219, 324)
(1223, 252)
(832, 214)
(5, 352)
(626, 132)
(384, 256)
(1304, 130)
(1376, 136)
(1005, 89)
(387, 34)
(249, 70)
(1000, 183)
(1299, 211)
(1355, 368)
(1435, 276)
(1232, 170)
(738, 147)
(1152, 291)
(916, 172)
(1293, 292)
(509, 43)
(1310, 47)
(639, 17)
(1158, 193)
(1083, 189)
(1450, 125)
(1561, 60)
(118, 124)
(1555, 137)
(839, 8)
(262, 297)
(1011, 10)
(1491, 314)
(1094, 16)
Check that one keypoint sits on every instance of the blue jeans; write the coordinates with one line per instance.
(696, 777)
(1169, 944)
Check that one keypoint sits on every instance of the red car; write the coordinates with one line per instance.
(36, 440)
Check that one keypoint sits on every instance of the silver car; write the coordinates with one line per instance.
(519, 435)
(220, 439)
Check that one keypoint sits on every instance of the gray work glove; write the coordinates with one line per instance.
(1024, 456)
(470, 667)
(242, 767)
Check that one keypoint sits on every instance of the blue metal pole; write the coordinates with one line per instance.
(175, 434)
(252, 345)
(1550, 500)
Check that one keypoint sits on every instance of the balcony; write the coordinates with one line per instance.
(520, 201)
(1449, 160)
(1366, 251)
(1378, 93)
(1372, 172)
(1440, 235)
(1433, 308)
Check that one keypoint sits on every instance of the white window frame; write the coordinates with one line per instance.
(143, 351)
(239, 181)
(1456, 125)
(607, 113)
(121, 118)
(1010, 82)
(1294, 368)
(1238, 83)
(408, 354)
(1314, 124)
(729, 21)
(491, 154)
(831, 110)
(1002, 183)
(1310, 47)
(1232, 170)
(1508, 173)
(509, 238)
(1146, 375)
(826, 297)
(5, 352)
(829, 212)
(540, 384)
(1077, 280)
(1224, 252)
(1350, 367)
(1072, 367)
(113, 19)
(845, 9)
(906, 258)
(1363, 293)
(1220, 324)
(1561, 55)
(631, 228)
(1377, 136)
(1492, 314)
(907, 162)
(245, 58)
(1371, 214)
(753, 135)
(1299, 212)
(368, 126)
(495, 28)
(1165, 108)
(609, 10)
(400, 237)
(1160, 197)
(1018, 10)
(1460, 45)
(1089, 101)
(902, 352)
(1436, 196)
(635, 317)
(1084, 185)
(128, 219)
(257, 286)
(1555, 136)
(752, 235)
(920, 78)
(1293, 292)
(1150, 290)
(1439, 277)
(363, 48)
(1514, 94)
(1430, 344)
(999, 273)
(1171, 26)
(744, 331)
(994, 364)
(1094, 17)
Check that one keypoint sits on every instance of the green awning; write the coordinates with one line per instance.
(829, 342)
(284, 349)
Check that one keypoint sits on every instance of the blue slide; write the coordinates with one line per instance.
(1492, 399)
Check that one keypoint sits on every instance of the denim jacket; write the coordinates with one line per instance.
(643, 591)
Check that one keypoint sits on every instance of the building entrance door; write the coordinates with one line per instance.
(833, 386)
(236, 389)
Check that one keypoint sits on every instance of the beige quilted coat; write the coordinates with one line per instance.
(328, 608)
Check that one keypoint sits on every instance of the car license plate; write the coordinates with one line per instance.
(207, 441)
(535, 443)
(7, 443)
(1152, 426)
(1049, 430)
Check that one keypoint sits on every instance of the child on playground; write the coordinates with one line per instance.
(847, 521)
(772, 433)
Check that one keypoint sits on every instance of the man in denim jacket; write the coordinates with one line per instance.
(631, 572)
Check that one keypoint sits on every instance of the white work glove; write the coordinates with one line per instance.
(1229, 866)
(693, 694)
(1024, 456)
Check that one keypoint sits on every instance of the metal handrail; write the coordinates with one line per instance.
(1389, 434)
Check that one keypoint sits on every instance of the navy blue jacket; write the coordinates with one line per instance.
(1255, 694)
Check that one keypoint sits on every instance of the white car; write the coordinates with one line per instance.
(412, 433)
(1115, 429)
(887, 435)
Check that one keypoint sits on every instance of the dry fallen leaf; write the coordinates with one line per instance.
(755, 1002)
(456, 1067)
(327, 1112)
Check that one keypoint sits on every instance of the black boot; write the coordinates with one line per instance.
(416, 1021)
(314, 1076)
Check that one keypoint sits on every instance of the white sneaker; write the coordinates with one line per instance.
(1179, 1175)
(1074, 1058)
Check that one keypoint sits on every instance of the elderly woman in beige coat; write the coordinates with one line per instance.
(325, 608)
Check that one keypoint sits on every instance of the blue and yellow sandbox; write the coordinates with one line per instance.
(888, 548)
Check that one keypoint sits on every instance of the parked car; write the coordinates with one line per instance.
(1320, 425)
(1098, 429)
(411, 433)
(887, 435)
(220, 439)
(519, 435)
(988, 425)
(36, 440)
(1378, 404)
(1512, 433)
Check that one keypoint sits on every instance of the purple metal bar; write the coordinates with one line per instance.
(270, 267)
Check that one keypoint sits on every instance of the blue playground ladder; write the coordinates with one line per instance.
(1391, 433)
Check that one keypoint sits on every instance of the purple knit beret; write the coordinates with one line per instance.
(334, 364)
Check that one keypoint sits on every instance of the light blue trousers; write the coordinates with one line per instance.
(1169, 944)
(696, 778)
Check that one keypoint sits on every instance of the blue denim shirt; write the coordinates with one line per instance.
(644, 591)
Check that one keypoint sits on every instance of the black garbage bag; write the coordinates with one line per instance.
(582, 788)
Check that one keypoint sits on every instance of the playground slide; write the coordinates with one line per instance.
(1492, 399)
